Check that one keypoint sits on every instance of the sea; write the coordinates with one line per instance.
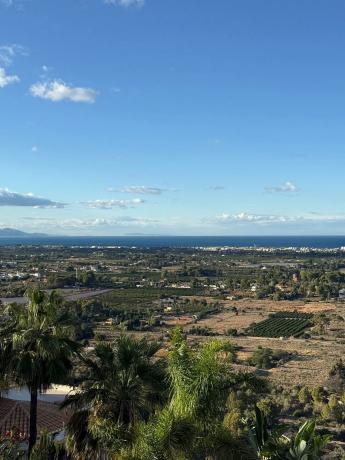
(179, 241)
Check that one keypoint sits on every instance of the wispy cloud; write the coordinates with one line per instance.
(244, 217)
(7, 54)
(216, 141)
(6, 79)
(125, 3)
(80, 224)
(247, 217)
(141, 189)
(8, 198)
(216, 188)
(6, 2)
(15, 3)
(57, 90)
(287, 187)
(109, 204)
(46, 69)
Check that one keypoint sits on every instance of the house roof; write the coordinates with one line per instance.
(16, 414)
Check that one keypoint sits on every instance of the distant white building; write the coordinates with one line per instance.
(342, 294)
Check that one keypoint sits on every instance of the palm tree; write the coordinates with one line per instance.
(199, 380)
(35, 347)
(122, 384)
(199, 385)
(190, 425)
(164, 437)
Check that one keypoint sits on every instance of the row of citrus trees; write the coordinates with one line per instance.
(284, 324)
(130, 405)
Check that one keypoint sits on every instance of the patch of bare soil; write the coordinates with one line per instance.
(227, 319)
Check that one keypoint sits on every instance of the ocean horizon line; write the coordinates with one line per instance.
(181, 241)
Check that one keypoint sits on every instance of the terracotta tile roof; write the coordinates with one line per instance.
(17, 414)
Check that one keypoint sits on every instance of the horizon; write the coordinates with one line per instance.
(178, 235)
(140, 116)
(139, 234)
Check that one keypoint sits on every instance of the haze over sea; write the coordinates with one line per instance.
(181, 241)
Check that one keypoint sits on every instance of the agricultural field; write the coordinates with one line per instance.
(141, 297)
(282, 324)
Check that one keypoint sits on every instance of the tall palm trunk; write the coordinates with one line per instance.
(33, 417)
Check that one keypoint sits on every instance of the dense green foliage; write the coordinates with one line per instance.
(125, 409)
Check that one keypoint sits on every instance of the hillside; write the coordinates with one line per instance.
(12, 233)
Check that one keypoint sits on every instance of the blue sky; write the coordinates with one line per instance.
(172, 117)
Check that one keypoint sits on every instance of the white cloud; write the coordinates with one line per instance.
(7, 79)
(7, 54)
(142, 189)
(125, 3)
(76, 224)
(245, 217)
(8, 198)
(264, 219)
(109, 204)
(57, 90)
(287, 187)
(240, 223)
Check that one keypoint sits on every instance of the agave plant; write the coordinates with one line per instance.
(275, 445)
(268, 443)
(307, 445)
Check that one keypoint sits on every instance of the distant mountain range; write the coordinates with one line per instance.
(12, 233)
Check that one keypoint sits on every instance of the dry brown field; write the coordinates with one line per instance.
(313, 358)
(253, 311)
(310, 365)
